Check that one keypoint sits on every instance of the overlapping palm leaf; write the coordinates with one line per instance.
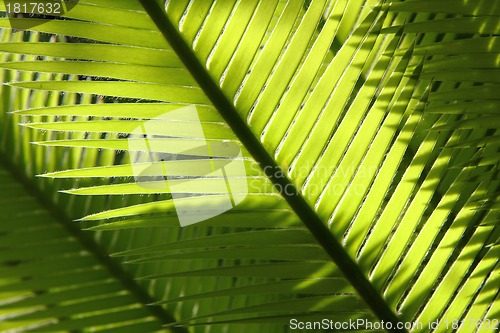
(383, 116)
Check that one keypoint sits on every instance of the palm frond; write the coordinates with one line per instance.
(369, 139)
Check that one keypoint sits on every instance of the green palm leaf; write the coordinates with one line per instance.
(371, 169)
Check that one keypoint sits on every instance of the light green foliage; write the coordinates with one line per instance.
(382, 116)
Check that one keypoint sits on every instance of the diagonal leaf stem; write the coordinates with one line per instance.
(87, 242)
(296, 201)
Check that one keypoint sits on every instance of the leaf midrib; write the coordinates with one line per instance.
(114, 268)
(296, 201)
